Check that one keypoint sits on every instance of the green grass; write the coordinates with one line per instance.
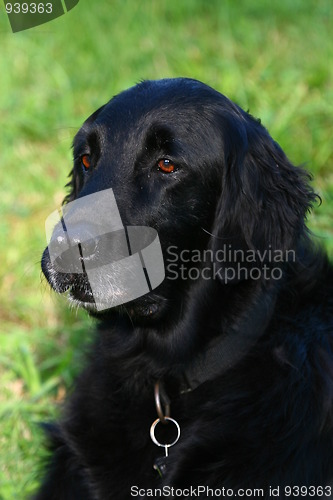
(272, 58)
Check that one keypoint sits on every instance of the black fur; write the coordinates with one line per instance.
(267, 419)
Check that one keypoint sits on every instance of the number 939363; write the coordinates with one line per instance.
(308, 491)
(28, 8)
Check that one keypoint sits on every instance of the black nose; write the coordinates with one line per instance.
(83, 246)
(69, 248)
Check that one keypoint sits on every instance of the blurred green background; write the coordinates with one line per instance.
(273, 58)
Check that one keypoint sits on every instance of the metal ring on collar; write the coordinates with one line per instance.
(155, 441)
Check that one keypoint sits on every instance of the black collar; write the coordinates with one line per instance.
(228, 349)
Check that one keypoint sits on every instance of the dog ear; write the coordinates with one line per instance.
(264, 198)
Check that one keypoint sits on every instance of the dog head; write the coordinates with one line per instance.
(184, 160)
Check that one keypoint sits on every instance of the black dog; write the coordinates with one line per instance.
(235, 344)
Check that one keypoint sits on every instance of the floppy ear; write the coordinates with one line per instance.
(264, 199)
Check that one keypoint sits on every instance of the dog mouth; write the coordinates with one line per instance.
(81, 295)
(145, 309)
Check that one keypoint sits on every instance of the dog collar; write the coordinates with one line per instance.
(226, 350)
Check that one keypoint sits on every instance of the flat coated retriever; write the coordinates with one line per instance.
(235, 346)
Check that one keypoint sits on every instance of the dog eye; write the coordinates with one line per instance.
(86, 161)
(166, 166)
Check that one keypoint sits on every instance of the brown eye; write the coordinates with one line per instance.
(86, 161)
(166, 166)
